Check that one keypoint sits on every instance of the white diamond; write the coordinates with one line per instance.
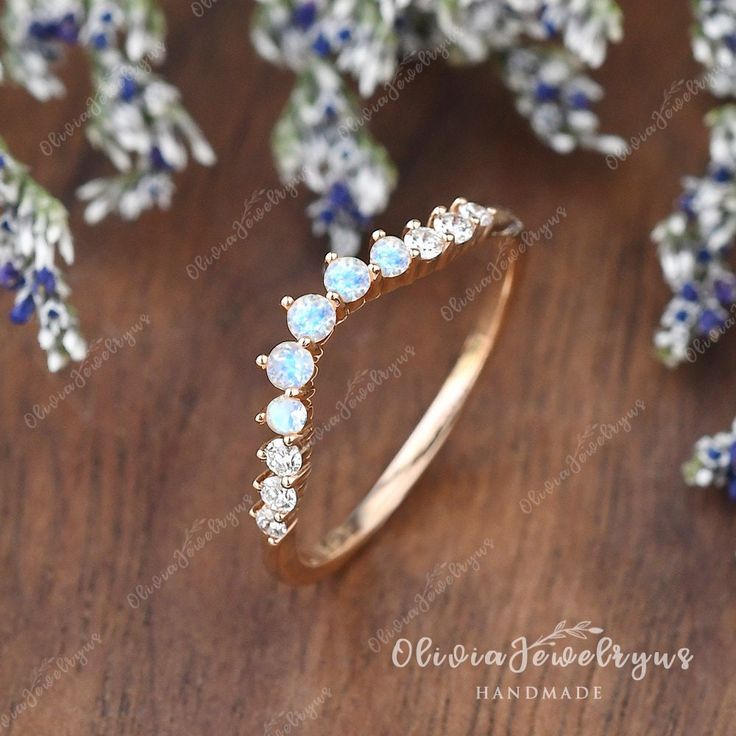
(451, 224)
(269, 524)
(282, 459)
(277, 496)
(426, 241)
(481, 213)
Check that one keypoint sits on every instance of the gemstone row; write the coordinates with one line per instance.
(290, 365)
(311, 319)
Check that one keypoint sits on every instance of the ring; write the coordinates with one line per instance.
(292, 368)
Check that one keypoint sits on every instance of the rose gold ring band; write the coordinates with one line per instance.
(282, 553)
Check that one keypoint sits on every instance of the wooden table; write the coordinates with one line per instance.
(99, 498)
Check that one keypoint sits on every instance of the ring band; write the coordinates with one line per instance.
(292, 367)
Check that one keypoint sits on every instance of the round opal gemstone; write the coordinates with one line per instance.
(391, 255)
(311, 316)
(426, 241)
(481, 213)
(286, 415)
(277, 496)
(289, 365)
(282, 459)
(459, 227)
(269, 524)
(348, 277)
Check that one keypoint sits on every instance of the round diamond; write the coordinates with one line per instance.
(282, 459)
(277, 496)
(349, 277)
(451, 224)
(269, 524)
(426, 241)
(391, 255)
(311, 316)
(481, 213)
(289, 365)
(286, 415)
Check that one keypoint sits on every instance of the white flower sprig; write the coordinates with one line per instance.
(543, 46)
(714, 43)
(145, 131)
(33, 230)
(318, 140)
(556, 97)
(714, 462)
(134, 117)
(695, 242)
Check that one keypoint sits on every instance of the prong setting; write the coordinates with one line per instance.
(394, 261)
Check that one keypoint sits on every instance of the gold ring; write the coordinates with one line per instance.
(292, 368)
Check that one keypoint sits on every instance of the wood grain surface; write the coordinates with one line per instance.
(105, 492)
